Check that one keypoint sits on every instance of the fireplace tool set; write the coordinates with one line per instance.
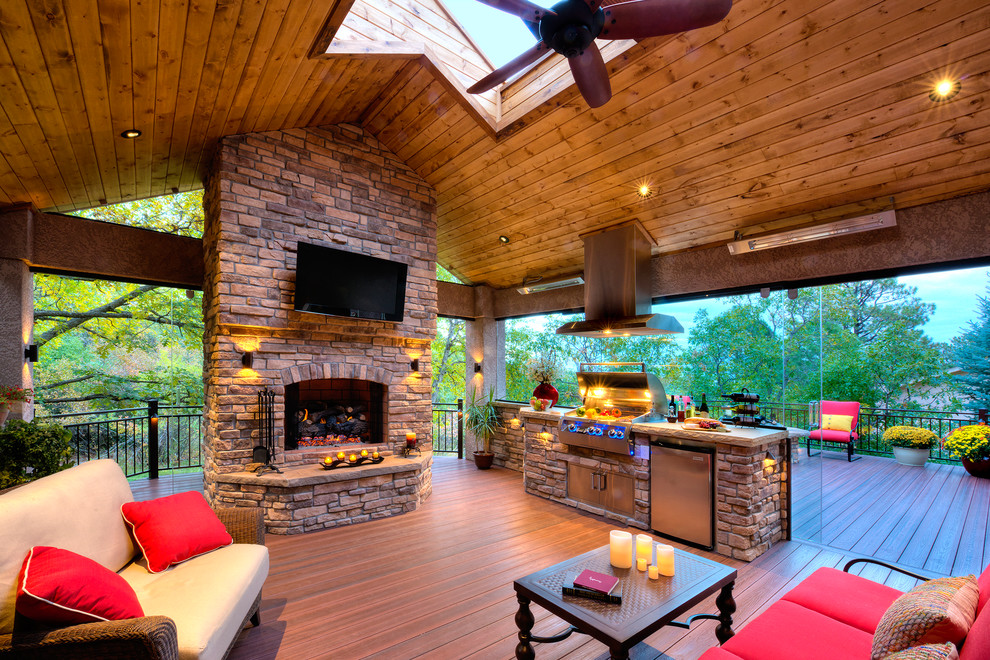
(265, 452)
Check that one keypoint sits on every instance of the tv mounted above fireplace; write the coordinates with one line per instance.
(340, 283)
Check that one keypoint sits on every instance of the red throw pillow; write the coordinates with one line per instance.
(60, 586)
(172, 529)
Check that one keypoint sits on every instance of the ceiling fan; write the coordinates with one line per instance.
(570, 28)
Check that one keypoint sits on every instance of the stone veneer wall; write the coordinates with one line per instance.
(751, 497)
(509, 444)
(334, 186)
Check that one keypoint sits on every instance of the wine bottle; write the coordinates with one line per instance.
(704, 404)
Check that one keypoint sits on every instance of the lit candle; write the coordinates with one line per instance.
(654, 573)
(620, 548)
(410, 439)
(364, 452)
(665, 559)
(644, 547)
(352, 458)
(641, 563)
(328, 460)
(340, 455)
(374, 454)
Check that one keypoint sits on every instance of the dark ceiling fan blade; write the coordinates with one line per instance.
(640, 19)
(591, 76)
(524, 9)
(506, 71)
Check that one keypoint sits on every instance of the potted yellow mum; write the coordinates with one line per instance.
(912, 445)
(972, 445)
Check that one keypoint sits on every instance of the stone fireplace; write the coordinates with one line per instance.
(338, 382)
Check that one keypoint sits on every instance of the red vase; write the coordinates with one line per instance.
(546, 391)
(978, 468)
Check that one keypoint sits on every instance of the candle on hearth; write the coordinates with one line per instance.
(644, 547)
(328, 460)
(641, 563)
(654, 573)
(340, 455)
(410, 439)
(364, 452)
(665, 559)
(374, 454)
(352, 458)
(620, 548)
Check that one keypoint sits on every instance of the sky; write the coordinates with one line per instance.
(953, 292)
(500, 35)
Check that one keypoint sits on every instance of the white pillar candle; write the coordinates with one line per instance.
(644, 547)
(620, 548)
(654, 573)
(665, 559)
(640, 564)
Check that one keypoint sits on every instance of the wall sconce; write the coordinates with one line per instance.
(477, 367)
(247, 360)
(31, 353)
(414, 365)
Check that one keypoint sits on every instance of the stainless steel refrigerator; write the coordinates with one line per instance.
(682, 497)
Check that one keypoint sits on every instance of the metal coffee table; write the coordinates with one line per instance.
(647, 605)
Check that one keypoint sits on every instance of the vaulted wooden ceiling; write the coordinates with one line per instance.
(786, 113)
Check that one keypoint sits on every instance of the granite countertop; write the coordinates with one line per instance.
(741, 436)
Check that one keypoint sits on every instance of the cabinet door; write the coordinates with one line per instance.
(619, 493)
(583, 484)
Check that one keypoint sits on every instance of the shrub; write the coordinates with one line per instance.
(42, 447)
(909, 436)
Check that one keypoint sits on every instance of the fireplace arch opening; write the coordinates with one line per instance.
(333, 412)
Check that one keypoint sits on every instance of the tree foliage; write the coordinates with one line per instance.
(971, 351)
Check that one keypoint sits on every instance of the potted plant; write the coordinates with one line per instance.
(972, 445)
(545, 369)
(481, 419)
(10, 394)
(912, 445)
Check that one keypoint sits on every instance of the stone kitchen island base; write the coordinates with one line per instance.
(752, 478)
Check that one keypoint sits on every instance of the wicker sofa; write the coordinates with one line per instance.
(832, 615)
(195, 609)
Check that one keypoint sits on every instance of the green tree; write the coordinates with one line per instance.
(971, 351)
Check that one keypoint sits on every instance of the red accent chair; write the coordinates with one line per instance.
(848, 408)
(832, 615)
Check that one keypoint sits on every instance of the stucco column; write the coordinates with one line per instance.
(16, 328)
(484, 345)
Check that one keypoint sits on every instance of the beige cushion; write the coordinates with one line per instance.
(77, 509)
(946, 651)
(208, 596)
(934, 612)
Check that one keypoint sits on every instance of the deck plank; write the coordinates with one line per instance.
(437, 582)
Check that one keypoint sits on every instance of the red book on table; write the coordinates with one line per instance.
(590, 579)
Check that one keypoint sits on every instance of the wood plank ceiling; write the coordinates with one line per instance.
(784, 114)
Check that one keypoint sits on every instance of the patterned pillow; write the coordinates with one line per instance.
(837, 423)
(945, 651)
(934, 612)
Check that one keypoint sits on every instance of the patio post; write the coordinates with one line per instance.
(484, 354)
(16, 304)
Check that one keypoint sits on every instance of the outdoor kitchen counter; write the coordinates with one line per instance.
(738, 436)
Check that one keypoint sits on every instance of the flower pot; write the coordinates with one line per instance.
(978, 468)
(912, 455)
(546, 391)
(483, 459)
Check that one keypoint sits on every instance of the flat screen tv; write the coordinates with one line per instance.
(340, 283)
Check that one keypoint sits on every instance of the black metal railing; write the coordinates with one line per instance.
(141, 440)
(448, 428)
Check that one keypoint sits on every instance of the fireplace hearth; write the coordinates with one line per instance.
(332, 412)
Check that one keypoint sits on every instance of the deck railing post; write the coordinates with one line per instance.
(460, 428)
(152, 438)
(983, 415)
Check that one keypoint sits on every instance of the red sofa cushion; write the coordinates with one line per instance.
(718, 653)
(984, 583)
(787, 631)
(976, 646)
(832, 436)
(845, 597)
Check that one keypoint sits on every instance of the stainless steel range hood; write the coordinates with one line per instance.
(617, 290)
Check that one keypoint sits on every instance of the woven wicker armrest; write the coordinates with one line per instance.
(244, 524)
(149, 637)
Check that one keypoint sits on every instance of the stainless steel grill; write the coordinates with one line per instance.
(635, 394)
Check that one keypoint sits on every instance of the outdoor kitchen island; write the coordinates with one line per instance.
(751, 482)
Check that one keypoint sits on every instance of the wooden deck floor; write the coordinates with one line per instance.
(437, 583)
(933, 518)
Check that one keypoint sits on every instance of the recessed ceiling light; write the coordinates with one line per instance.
(503, 239)
(131, 133)
(944, 90)
(644, 190)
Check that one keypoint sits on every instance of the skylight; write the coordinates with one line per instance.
(500, 35)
